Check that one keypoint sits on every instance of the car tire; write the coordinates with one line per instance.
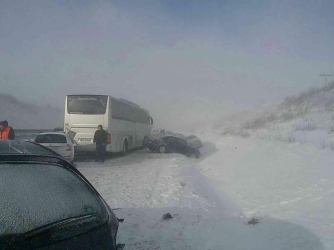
(162, 149)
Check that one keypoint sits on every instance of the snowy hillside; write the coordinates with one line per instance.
(306, 118)
(21, 115)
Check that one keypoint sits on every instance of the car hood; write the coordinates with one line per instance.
(195, 144)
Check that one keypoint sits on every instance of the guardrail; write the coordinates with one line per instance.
(32, 130)
(28, 134)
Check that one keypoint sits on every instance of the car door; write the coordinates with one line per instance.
(180, 146)
(175, 144)
(70, 148)
(170, 142)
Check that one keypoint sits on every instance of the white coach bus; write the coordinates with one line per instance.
(125, 122)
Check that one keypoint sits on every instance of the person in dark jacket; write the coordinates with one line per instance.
(6, 132)
(100, 139)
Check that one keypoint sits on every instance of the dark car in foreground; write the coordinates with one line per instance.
(170, 144)
(46, 203)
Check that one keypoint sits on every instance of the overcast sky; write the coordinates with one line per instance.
(165, 55)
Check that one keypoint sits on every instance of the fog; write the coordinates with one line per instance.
(187, 62)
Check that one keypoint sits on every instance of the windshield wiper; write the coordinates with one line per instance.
(54, 231)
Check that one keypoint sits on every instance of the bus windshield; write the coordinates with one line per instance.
(88, 105)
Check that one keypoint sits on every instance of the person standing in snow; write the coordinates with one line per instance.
(6, 132)
(100, 139)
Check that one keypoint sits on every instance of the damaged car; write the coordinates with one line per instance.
(171, 144)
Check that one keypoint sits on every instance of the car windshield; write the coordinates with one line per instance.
(42, 194)
(50, 138)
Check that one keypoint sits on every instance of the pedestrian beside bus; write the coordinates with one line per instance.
(100, 139)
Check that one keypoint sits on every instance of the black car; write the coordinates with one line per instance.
(46, 203)
(170, 144)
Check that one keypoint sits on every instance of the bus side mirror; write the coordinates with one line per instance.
(150, 120)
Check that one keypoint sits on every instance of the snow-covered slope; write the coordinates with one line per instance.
(306, 118)
(21, 115)
(290, 183)
(287, 187)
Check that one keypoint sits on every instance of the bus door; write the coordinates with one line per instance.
(150, 122)
(113, 142)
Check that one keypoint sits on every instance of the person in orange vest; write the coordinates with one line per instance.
(6, 132)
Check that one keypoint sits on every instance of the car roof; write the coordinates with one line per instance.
(17, 147)
(52, 133)
(173, 135)
(54, 159)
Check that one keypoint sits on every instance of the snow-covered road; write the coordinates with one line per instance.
(289, 187)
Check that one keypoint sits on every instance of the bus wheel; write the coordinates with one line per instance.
(125, 147)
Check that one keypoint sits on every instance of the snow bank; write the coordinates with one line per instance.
(212, 199)
(291, 183)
